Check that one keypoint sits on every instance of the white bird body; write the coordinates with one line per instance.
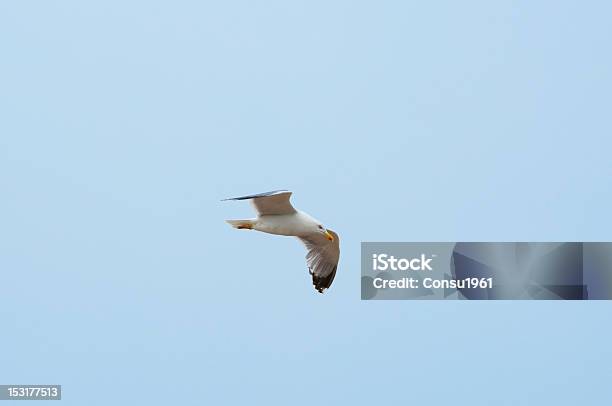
(298, 224)
(276, 215)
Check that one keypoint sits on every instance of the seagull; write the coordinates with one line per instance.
(276, 215)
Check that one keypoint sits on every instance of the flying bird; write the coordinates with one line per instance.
(276, 215)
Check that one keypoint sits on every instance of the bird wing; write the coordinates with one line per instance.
(322, 259)
(275, 202)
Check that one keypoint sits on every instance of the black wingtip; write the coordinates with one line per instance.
(322, 283)
(265, 194)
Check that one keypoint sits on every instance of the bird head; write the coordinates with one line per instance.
(324, 231)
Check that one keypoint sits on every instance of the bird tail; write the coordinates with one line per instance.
(241, 224)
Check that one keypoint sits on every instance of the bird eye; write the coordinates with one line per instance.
(320, 227)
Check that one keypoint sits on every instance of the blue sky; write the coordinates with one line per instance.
(123, 124)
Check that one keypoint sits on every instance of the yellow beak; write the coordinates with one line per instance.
(329, 236)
